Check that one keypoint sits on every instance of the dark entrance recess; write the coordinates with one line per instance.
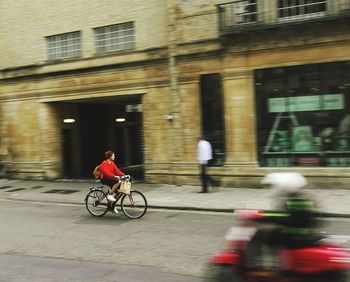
(104, 124)
(212, 116)
(67, 151)
(128, 138)
(92, 136)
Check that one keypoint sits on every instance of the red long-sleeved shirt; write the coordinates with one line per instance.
(110, 170)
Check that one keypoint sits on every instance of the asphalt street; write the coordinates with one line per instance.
(62, 242)
(63, 239)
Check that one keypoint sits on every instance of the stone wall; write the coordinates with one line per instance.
(176, 42)
(25, 24)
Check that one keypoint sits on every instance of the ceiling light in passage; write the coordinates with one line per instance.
(69, 120)
(120, 119)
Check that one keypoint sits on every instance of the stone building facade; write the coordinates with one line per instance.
(146, 78)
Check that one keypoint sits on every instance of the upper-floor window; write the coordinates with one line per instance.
(62, 46)
(301, 9)
(115, 37)
(245, 11)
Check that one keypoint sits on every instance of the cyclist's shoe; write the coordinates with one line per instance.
(115, 210)
(111, 198)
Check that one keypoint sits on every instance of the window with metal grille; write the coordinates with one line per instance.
(115, 37)
(238, 12)
(245, 11)
(301, 9)
(63, 46)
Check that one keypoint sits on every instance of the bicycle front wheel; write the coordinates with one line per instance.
(134, 205)
(96, 202)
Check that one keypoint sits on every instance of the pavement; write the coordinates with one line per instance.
(330, 202)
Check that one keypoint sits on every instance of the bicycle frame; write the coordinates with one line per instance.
(102, 201)
(107, 191)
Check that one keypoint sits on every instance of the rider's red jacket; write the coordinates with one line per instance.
(110, 170)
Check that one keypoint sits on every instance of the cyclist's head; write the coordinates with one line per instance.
(109, 154)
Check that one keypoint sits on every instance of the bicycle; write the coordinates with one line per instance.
(133, 205)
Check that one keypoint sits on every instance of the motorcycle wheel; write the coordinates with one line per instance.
(222, 273)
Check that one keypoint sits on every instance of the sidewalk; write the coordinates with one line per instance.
(334, 202)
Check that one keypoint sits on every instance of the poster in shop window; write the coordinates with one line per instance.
(302, 139)
(306, 103)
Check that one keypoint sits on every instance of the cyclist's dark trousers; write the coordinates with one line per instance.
(109, 181)
(205, 178)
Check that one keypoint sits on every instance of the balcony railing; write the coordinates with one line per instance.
(240, 15)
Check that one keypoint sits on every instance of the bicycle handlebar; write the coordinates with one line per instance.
(125, 177)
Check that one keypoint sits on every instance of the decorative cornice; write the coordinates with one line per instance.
(283, 38)
(85, 65)
(84, 91)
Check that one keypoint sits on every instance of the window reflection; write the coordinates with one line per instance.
(303, 115)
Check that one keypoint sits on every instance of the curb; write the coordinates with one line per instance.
(179, 208)
(192, 209)
(320, 214)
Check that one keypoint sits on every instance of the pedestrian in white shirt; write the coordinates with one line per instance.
(204, 155)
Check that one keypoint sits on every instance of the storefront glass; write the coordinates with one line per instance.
(303, 115)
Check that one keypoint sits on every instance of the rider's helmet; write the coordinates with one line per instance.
(286, 190)
(284, 183)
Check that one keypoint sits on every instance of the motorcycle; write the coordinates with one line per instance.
(316, 261)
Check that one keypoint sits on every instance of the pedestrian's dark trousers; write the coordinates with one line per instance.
(205, 178)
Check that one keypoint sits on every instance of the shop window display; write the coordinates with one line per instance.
(303, 115)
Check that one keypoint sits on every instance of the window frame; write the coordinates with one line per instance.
(301, 12)
(114, 38)
(64, 45)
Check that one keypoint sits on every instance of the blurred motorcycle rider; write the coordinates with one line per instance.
(294, 214)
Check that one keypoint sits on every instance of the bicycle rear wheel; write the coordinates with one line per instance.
(134, 205)
(96, 202)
